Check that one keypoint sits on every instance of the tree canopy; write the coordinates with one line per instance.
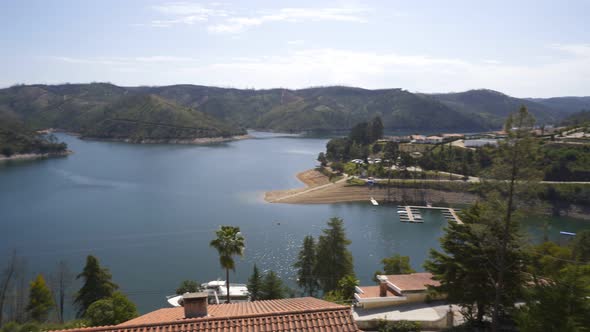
(111, 310)
(334, 260)
(40, 299)
(97, 285)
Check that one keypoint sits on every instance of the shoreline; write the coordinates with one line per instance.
(341, 192)
(196, 141)
(187, 141)
(32, 156)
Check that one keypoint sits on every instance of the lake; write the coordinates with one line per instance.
(148, 213)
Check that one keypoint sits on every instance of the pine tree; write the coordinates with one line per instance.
(97, 285)
(40, 300)
(334, 260)
(306, 262)
(255, 285)
(513, 177)
(272, 287)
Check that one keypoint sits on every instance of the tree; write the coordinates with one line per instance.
(359, 133)
(305, 265)
(322, 159)
(562, 305)
(466, 268)
(112, 310)
(255, 285)
(581, 246)
(188, 286)
(272, 287)
(63, 281)
(97, 285)
(229, 242)
(397, 264)
(7, 276)
(347, 285)
(375, 130)
(334, 260)
(512, 173)
(40, 299)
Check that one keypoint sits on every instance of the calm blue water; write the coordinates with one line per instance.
(149, 211)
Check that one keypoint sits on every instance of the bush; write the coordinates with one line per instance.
(399, 326)
(111, 311)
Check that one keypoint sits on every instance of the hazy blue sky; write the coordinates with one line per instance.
(522, 48)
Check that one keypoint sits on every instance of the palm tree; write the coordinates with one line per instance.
(229, 242)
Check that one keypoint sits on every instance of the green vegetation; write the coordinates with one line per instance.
(398, 326)
(98, 302)
(228, 243)
(97, 285)
(325, 264)
(112, 310)
(188, 286)
(40, 300)
(485, 266)
(255, 285)
(181, 111)
(577, 119)
(16, 138)
(395, 264)
(306, 264)
(357, 144)
(266, 286)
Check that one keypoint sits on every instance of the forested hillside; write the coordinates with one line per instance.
(183, 111)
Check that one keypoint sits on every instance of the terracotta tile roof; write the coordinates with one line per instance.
(373, 291)
(299, 314)
(412, 281)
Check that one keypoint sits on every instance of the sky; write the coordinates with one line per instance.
(522, 48)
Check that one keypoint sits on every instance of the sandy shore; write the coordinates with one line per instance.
(319, 190)
(30, 156)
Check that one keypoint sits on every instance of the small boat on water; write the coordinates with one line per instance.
(374, 202)
(217, 293)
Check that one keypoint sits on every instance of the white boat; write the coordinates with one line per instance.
(373, 201)
(217, 292)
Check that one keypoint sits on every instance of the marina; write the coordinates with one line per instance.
(411, 213)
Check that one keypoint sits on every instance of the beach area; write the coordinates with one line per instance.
(31, 156)
(319, 190)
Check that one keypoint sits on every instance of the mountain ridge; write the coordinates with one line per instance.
(221, 111)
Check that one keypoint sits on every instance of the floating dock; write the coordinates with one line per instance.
(374, 202)
(412, 213)
(409, 214)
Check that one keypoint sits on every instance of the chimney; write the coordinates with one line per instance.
(382, 285)
(195, 304)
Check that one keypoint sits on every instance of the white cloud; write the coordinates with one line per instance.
(291, 15)
(579, 50)
(296, 42)
(221, 20)
(186, 13)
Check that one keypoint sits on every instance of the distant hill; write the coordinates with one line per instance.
(103, 110)
(182, 111)
(495, 106)
(565, 104)
(578, 118)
